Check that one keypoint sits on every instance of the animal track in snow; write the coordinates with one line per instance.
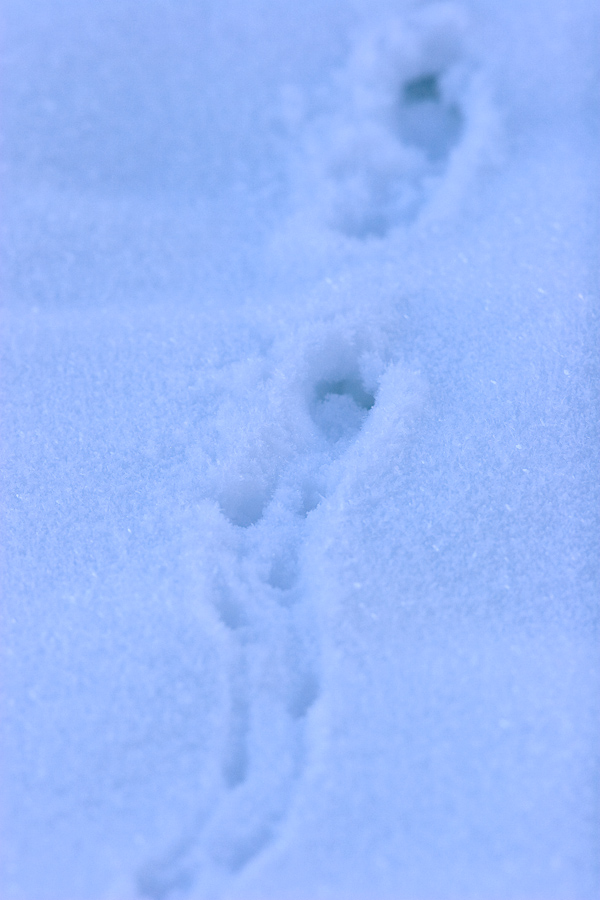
(303, 412)
(407, 125)
(428, 120)
(340, 407)
(408, 121)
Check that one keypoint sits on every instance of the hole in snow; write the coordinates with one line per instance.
(284, 572)
(234, 854)
(229, 610)
(340, 408)
(235, 762)
(243, 503)
(311, 497)
(422, 89)
(159, 882)
(426, 120)
(303, 696)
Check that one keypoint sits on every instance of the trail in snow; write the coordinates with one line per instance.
(300, 475)
(408, 122)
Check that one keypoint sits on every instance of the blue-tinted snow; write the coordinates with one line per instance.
(300, 450)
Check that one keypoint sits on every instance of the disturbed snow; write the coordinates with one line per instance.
(300, 469)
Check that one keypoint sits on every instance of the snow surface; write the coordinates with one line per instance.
(300, 454)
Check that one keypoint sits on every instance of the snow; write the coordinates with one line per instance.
(300, 450)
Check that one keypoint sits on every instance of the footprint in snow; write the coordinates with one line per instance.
(408, 121)
(261, 492)
(411, 119)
